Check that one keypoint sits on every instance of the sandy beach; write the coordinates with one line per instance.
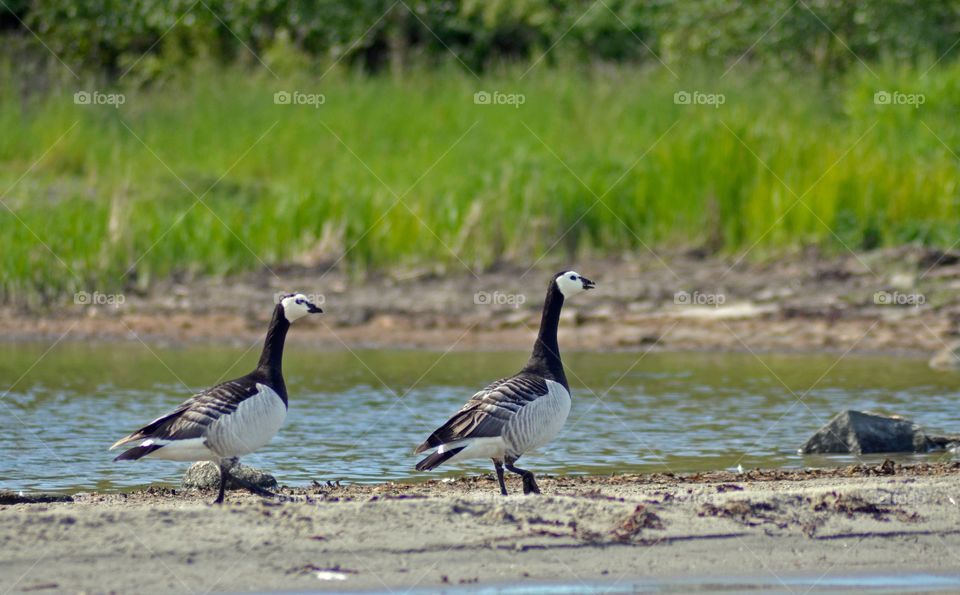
(627, 532)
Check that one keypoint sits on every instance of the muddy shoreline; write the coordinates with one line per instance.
(616, 530)
(682, 301)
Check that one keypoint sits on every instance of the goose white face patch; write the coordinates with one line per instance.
(295, 306)
(570, 283)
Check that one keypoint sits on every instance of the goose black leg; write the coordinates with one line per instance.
(499, 467)
(225, 476)
(224, 473)
(529, 484)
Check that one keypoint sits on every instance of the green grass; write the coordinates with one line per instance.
(480, 184)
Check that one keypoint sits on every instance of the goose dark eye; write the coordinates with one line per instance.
(573, 277)
(299, 301)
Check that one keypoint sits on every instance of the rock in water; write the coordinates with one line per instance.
(858, 432)
(205, 475)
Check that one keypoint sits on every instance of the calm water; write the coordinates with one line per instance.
(357, 417)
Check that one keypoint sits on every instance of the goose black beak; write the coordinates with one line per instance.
(587, 283)
(312, 309)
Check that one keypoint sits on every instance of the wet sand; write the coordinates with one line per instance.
(620, 531)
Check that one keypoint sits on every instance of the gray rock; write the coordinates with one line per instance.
(859, 432)
(206, 476)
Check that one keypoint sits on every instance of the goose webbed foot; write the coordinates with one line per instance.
(253, 488)
(529, 483)
(499, 467)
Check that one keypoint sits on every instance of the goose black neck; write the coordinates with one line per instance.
(271, 358)
(545, 358)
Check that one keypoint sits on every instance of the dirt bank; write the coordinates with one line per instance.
(618, 530)
(678, 301)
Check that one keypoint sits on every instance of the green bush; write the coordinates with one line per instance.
(111, 36)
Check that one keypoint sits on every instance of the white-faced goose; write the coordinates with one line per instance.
(517, 414)
(231, 419)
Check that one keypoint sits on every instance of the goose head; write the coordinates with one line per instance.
(571, 283)
(296, 306)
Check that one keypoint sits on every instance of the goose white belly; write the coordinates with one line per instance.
(254, 423)
(193, 449)
(538, 423)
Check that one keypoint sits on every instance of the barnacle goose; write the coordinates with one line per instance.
(517, 414)
(231, 419)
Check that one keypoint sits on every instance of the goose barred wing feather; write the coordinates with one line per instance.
(488, 411)
(195, 415)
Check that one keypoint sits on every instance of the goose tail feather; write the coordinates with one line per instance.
(436, 459)
(137, 452)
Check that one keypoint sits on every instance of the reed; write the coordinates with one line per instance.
(206, 175)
